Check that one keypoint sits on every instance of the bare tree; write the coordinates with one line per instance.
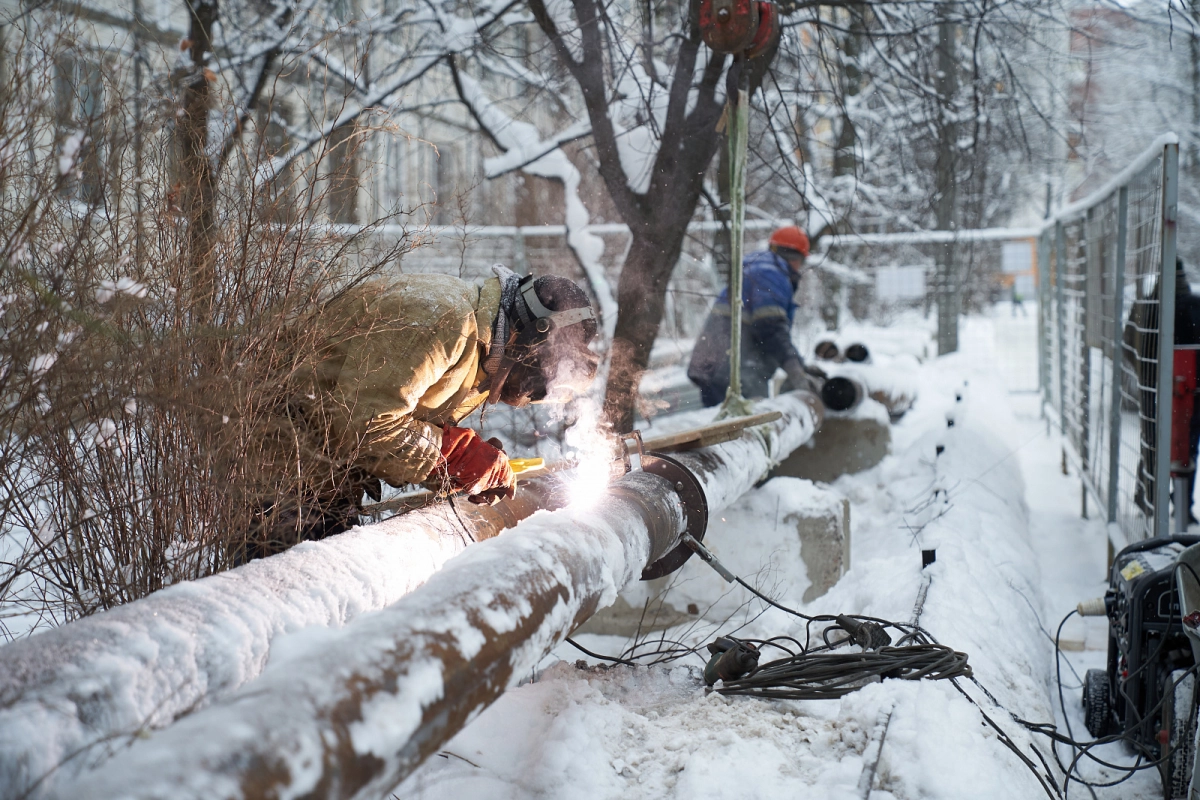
(135, 391)
(654, 94)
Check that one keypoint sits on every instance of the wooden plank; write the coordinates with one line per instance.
(705, 435)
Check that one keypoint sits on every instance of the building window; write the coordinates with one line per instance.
(278, 199)
(393, 173)
(79, 107)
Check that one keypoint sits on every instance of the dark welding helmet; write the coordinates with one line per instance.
(549, 360)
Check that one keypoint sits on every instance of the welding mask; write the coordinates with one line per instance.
(548, 359)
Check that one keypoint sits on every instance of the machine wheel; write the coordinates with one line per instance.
(1179, 719)
(1097, 703)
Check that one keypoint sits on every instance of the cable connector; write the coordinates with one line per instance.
(867, 635)
(731, 659)
(708, 558)
(1091, 608)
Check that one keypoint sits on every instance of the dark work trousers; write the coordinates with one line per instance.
(291, 519)
(279, 526)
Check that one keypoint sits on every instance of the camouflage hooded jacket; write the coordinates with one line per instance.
(403, 358)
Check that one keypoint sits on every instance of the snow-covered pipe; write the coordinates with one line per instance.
(840, 393)
(349, 712)
(68, 690)
(827, 350)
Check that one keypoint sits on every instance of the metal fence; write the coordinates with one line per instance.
(996, 270)
(1106, 323)
(469, 252)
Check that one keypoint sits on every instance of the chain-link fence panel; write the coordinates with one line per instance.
(1147, 307)
(1048, 363)
(1106, 313)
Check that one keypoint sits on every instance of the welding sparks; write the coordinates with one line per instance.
(588, 484)
(593, 452)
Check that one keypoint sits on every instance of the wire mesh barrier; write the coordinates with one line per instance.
(470, 251)
(1105, 325)
(995, 271)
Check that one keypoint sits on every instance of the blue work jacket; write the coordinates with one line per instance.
(768, 310)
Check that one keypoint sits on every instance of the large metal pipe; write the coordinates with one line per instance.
(350, 712)
(141, 665)
(857, 379)
(67, 692)
(840, 393)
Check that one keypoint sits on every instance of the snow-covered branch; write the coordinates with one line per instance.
(437, 35)
(521, 142)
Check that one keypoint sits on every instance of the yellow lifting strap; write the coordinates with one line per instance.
(735, 405)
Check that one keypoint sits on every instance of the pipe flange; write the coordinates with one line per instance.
(695, 510)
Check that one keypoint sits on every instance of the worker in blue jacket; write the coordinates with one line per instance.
(769, 281)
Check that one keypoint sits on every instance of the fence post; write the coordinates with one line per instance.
(1060, 257)
(1114, 431)
(1166, 344)
(1043, 295)
(1091, 297)
(520, 256)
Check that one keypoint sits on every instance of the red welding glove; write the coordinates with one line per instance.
(476, 467)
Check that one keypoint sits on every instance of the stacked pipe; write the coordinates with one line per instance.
(856, 380)
(351, 711)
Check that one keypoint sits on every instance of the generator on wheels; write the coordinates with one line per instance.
(1147, 693)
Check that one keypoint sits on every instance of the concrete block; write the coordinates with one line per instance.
(844, 444)
(789, 537)
(825, 548)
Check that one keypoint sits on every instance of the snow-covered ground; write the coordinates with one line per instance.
(1013, 556)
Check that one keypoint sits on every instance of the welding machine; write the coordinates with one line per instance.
(1145, 694)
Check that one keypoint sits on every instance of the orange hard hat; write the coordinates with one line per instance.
(791, 238)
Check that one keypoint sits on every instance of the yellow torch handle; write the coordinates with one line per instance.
(519, 465)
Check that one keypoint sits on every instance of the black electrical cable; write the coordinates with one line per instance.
(822, 676)
(805, 676)
(1061, 702)
(1083, 750)
(920, 638)
(908, 632)
(1047, 782)
(815, 673)
(587, 652)
(928, 658)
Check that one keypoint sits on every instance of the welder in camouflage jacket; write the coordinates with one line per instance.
(769, 281)
(404, 362)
